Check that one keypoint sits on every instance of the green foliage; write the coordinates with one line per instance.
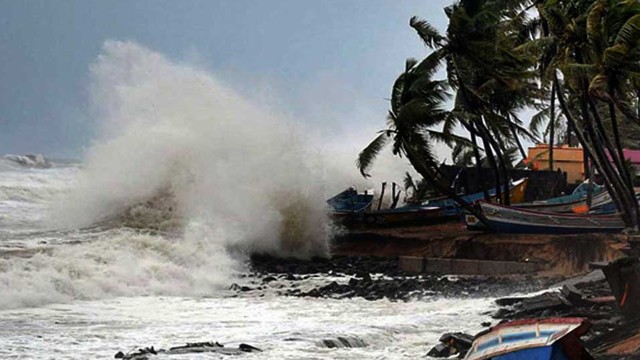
(503, 56)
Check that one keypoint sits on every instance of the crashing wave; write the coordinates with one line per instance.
(160, 212)
(29, 160)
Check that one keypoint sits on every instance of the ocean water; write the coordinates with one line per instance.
(63, 296)
(137, 244)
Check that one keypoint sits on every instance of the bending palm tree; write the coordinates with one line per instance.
(416, 107)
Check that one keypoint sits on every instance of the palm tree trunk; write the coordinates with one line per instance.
(638, 103)
(485, 136)
(616, 137)
(600, 142)
(480, 169)
(498, 147)
(516, 138)
(552, 125)
(505, 170)
(588, 149)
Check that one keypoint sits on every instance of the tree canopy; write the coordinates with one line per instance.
(576, 61)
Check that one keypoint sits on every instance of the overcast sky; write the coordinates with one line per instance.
(325, 59)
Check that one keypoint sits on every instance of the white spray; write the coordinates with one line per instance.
(177, 150)
(227, 162)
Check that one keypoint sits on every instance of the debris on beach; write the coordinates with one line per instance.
(189, 348)
(542, 339)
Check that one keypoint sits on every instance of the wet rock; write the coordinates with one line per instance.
(235, 287)
(248, 348)
(441, 351)
(344, 342)
(189, 348)
(461, 342)
(365, 276)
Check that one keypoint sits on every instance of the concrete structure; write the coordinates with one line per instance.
(411, 264)
(570, 160)
(565, 158)
(446, 266)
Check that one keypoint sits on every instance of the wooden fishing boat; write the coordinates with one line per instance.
(541, 339)
(568, 203)
(406, 215)
(346, 210)
(350, 201)
(513, 220)
(451, 208)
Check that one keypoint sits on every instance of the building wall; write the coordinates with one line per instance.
(565, 159)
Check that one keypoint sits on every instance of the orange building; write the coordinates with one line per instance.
(567, 159)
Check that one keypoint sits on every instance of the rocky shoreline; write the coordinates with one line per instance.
(375, 278)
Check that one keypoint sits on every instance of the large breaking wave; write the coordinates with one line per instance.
(175, 131)
(184, 178)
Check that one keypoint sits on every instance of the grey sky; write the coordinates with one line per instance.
(300, 48)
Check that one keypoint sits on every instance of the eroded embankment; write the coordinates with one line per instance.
(558, 254)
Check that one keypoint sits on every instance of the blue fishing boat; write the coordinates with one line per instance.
(354, 210)
(402, 216)
(512, 220)
(532, 339)
(451, 208)
(350, 201)
(568, 203)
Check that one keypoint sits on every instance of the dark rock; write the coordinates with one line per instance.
(235, 287)
(344, 342)
(245, 288)
(366, 277)
(460, 341)
(509, 301)
(119, 355)
(441, 351)
(268, 279)
(485, 324)
(573, 295)
(248, 348)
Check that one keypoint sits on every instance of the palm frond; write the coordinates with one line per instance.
(538, 120)
(409, 184)
(429, 34)
(629, 34)
(369, 154)
(397, 92)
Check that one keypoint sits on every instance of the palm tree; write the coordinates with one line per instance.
(572, 45)
(614, 33)
(416, 108)
(492, 82)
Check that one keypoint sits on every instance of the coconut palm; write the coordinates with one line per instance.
(491, 81)
(417, 107)
(569, 49)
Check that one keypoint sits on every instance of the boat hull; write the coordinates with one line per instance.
(451, 208)
(512, 220)
(554, 338)
(565, 207)
(394, 217)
